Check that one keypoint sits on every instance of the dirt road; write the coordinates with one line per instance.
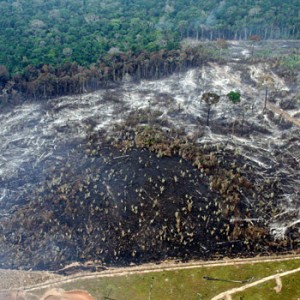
(149, 268)
(227, 295)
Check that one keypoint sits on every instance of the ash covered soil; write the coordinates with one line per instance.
(133, 173)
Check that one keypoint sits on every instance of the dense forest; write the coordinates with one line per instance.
(56, 37)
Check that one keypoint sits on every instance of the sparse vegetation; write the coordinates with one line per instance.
(77, 208)
(292, 63)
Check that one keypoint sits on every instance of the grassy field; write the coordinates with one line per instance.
(190, 284)
(290, 290)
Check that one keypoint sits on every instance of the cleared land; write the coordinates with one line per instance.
(283, 114)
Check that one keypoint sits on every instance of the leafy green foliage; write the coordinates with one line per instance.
(291, 62)
(34, 32)
(234, 96)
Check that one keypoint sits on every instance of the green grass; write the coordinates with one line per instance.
(291, 62)
(189, 284)
(290, 290)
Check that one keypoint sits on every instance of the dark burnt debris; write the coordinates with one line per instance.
(141, 194)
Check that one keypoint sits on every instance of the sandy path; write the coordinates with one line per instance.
(227, 295)
(149, 268)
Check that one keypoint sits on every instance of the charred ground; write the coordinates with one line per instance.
(132, 174)
(141, 194)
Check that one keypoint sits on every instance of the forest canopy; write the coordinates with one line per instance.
(61, 47)
(53, 32)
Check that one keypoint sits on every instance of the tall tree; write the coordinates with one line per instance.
(210, 99)
(266, 82)
(254, 40)
(4, 75)
(234, 97)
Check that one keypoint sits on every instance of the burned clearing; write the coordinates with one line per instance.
(133, 174)
(141, 194)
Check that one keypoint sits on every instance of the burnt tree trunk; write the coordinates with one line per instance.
(208, 115)
(266, 99)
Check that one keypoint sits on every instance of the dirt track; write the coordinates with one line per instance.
(149, 268)
(227, 294)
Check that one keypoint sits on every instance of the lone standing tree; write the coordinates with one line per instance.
(254, 39)
(234, 97)
(267, 82)
(210, 99)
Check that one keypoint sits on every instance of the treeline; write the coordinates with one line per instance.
(235, 19)
(54, 32)
(46, 81)
(266, 32)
